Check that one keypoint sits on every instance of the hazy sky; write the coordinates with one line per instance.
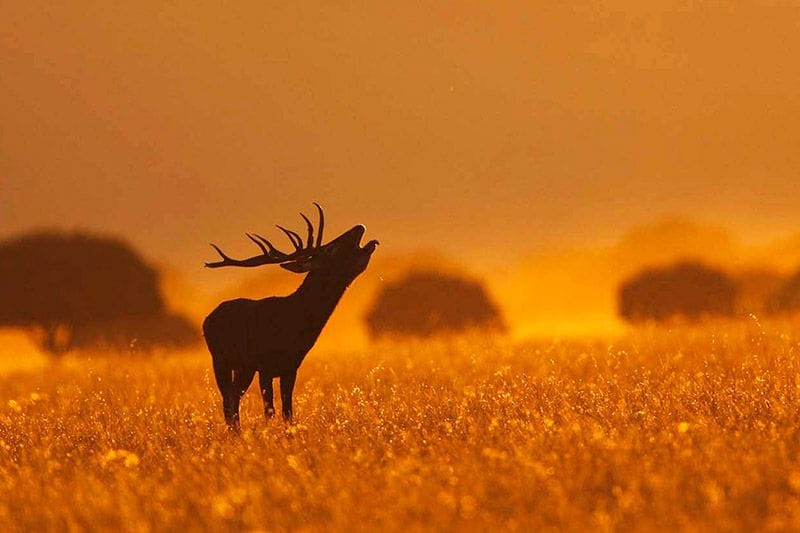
(481, 128)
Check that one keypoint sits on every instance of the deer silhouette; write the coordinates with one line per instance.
(272, 336)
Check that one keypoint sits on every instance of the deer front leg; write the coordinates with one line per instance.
(287, 386)
(265, 382)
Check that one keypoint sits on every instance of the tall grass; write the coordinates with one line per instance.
(694, 428)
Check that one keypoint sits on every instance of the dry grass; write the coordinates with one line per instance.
(694, 429)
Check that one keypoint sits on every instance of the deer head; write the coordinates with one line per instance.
(343, 257)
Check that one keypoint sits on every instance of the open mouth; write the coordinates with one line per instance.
(354, 237)
(359, 231)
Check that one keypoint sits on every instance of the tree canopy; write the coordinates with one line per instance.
(686, 289)
(426, 303)
(66, 286)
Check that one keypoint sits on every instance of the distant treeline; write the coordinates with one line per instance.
(692, 290)
(76, 290)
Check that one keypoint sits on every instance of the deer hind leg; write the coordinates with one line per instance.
(265, 382)
(287, 387)
(224, 377)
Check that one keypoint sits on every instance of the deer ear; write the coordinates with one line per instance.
(300, 266)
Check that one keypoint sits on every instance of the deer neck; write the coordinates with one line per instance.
(319, 294)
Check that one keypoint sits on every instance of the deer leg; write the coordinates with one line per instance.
(232, 384)
(230, 408)
(265, 382)
(287, 386)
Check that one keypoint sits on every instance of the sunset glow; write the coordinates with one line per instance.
(559, 284)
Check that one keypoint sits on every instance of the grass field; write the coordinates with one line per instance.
(694, 428)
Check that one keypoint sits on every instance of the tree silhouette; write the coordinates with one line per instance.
(426, 303)
(686, 289)
(77, 290)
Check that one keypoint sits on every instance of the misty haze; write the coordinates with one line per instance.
(471, 266)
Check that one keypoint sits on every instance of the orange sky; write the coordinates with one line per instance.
(481, 129)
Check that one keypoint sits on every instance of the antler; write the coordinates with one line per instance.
(271, 255)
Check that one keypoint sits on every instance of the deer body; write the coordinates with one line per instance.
(272, 336)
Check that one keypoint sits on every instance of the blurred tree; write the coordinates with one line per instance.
(686, 289)
(787, 297)
(76, 290)
(426, 303)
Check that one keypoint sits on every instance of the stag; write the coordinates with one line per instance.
(272, 336)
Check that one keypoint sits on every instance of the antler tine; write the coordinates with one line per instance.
(258, 243)
(221, 254)
(321, 225)
(273, 252)
(310, 227)
(297, 241)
